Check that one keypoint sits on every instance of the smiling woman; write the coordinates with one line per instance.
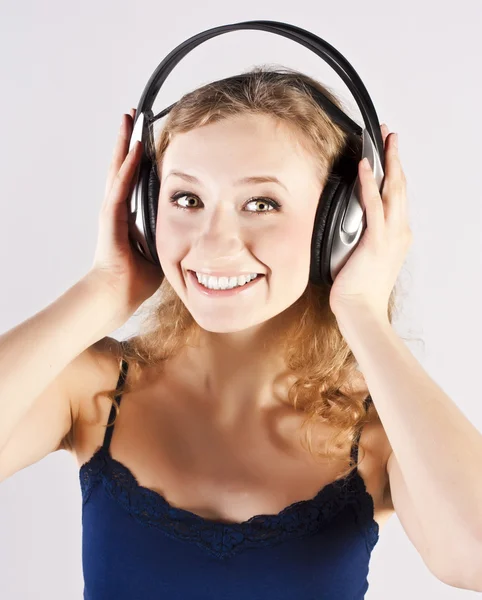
(250, 398)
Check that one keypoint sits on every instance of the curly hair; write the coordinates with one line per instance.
(328, 385)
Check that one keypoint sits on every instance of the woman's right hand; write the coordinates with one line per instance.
(117, 263)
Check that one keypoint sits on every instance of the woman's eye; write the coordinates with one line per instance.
(266, 202)
(275, 206)
(178, 195)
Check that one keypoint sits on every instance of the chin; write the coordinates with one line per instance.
(217, 323)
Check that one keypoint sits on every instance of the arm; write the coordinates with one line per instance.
(34, 353)
(436, 463)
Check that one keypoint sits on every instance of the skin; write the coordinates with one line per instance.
(237, 360)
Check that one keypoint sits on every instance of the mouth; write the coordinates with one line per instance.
(192, 278)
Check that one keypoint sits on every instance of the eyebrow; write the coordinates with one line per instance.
(242, 181)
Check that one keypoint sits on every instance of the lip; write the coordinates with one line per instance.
(224, 293)
(224, 273)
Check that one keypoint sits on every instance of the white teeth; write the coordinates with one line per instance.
(224, 283)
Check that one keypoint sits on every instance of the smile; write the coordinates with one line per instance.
(240, 287)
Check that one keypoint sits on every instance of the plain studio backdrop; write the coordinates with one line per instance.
(70, 70)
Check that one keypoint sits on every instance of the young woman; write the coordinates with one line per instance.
(266, 432)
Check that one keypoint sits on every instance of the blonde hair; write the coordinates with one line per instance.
(327, 386)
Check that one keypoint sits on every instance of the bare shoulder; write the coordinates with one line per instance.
(51, 422)
(100, 373)
(377, 449)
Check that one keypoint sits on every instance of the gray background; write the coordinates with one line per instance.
(69, 70)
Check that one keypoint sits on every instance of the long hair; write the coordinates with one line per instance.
(327, 384)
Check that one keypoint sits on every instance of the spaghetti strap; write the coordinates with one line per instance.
(354, 448)
(110, 428)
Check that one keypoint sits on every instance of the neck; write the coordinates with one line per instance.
(236, 375)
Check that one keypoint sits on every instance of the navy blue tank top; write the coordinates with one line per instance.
(136, 546)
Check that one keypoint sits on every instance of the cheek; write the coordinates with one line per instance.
(289, 251)
(170, 246)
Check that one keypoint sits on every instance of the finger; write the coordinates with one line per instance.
(122, 182)
(394, 193)
(396, 173)
(371, 200)
(385, 132)
(120, 151)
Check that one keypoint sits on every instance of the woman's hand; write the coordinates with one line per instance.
(129, 277)
(368, 277)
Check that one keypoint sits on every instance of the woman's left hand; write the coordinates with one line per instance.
(368, 277)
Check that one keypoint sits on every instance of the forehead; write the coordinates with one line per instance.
(238, 146)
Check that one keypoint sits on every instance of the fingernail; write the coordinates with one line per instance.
(366, 164)
(395, 139)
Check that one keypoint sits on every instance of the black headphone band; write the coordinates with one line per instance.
(314, 43)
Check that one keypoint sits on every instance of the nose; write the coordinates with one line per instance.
(220, 232)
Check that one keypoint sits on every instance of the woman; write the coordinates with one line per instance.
(235, 469)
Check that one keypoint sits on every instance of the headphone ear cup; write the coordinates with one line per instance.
(322, 239)
(153, 188)
(333, 201)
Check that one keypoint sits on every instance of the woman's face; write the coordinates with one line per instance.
(234, 226)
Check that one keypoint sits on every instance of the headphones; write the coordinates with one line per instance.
(340, 218)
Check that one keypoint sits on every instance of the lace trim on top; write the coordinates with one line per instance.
(297, 520)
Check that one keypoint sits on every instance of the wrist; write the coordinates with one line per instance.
(100, 288)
